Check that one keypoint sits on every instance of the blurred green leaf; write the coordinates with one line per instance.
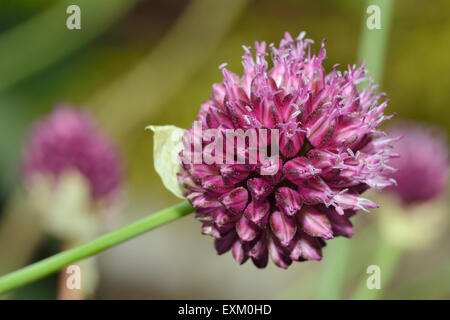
(45, 39)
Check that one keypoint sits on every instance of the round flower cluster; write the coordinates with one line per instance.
(68, 139)
(423, 163)
(331, 152)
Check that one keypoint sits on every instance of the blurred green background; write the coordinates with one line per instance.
(135, 63)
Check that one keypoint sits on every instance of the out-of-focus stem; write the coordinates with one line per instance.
(387, 259)
(334, 269)
(373, 42)
(48, 266)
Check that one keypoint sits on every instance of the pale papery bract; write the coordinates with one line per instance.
(331, 152)
(68, 139)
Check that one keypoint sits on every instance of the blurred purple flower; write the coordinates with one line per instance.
(68, 139)
(330, 153)
(422, 165)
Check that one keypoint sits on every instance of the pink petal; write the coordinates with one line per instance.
(288, 200)
(261, 260)
(203, 170)
(295, 248)
(239, 254)
(259, 245)
(352, 201)
(322, 159)
(283, 227)
(210, 229)
(277, 255)
(314, 191)
(218, 93)
(299, 169)
(310, 247)
(321, 125)
(259, 188)
(235, 200)
(234, 173)
(340, 224)
(204, 203)
(266, 113)
(188, 182)
(258, 250)
(258, 212)
(224, 244)
(291, 143)
(271, 170)
(215, 184)
(246, 229)
(314, 222)
(223, 217)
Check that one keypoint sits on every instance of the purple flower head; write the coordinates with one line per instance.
(68, 139)
(330, 152)
(422, 165)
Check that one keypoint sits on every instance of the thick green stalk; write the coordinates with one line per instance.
(47, 266)
(372, 49)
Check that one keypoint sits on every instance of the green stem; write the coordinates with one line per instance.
(387, 258)
(372, 49)
(373, 42)
(47, 266)
(334, 269)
